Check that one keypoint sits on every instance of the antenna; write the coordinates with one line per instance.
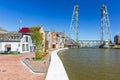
(20, 25)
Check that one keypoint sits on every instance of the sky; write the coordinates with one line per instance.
(57, 15)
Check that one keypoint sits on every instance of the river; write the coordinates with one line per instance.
(91, 64)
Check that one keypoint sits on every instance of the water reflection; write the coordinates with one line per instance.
(92, 64)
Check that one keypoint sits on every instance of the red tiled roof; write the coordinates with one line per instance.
(24, 30)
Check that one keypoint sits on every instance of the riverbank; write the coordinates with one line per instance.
(56, 69)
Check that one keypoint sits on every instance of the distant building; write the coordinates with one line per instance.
(49, 38)
(16, 42)
(3, 31)
(70, 42)
(61, 39)
(117, 39)
(52, 39)
(55, 39)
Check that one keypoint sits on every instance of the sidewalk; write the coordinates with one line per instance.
(12, 69)
(56, 69)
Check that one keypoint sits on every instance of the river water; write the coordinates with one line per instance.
(91, 64)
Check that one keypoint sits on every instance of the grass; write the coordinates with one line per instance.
(11, 53)
(116, 46)
(38, 59)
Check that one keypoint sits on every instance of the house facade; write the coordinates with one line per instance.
(55, 39)
(16, 42)
(61, 39)
(117, 39)
(49, 38)
(25, 30)
(52, 40)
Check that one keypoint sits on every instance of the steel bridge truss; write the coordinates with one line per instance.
(90, 43)
(105, 24)
(73, 33)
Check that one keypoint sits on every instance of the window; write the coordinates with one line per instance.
(11, 37)
(30, 40)
(23, 47)
(27, 47)
(26, 38)
(17, 37)
(14, 37)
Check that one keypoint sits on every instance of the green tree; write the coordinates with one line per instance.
(37, 38)
(46, 44)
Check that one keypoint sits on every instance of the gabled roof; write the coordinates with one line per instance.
(24, 30)
(46, 33)
(61, 34)
(10, 37)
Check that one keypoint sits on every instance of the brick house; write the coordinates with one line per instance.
(55, 39)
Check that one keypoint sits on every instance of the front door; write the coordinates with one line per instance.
(7, 48)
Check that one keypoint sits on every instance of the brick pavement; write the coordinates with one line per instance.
(12, 69)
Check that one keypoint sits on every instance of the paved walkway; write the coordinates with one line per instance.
(56, 69)
(12, 69)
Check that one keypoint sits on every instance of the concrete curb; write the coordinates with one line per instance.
(30, 68)
(56, 69)
(34, 70)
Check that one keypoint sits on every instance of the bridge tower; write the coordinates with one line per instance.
(74, 27)
(105, 25)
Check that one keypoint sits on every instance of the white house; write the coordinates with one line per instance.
(26, 30)
(49, 38)
(16, 42)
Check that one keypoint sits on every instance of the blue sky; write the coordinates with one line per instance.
(57, 14)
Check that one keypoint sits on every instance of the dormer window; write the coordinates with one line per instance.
(11, 37)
